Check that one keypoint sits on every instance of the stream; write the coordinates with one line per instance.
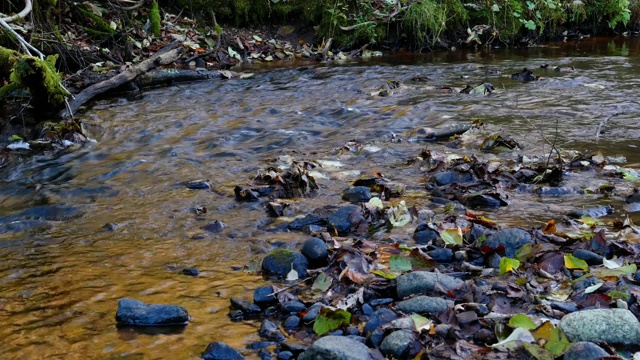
(120, 222)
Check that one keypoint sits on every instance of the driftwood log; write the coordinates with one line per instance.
(164, 56)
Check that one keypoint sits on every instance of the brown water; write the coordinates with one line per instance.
(59, 286)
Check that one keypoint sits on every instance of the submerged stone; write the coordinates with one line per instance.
(136, 313)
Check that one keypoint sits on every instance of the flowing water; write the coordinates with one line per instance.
(61, 279)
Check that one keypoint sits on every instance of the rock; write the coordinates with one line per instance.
(312, 313)
(263, 296)
(510, 239)
(292, 322)
(581, 285)
(367, 309)
(357, 194)
(293, 347)
(336, 348)
(285, 355)
(247, 307)
(493, 260)
(422, 304)
(381, 301)
(279, 263)
(136, 313)
(589, 256)
(442, 255)
(294, 306)
(379, 318)
(270, 331)
(613, 326)
(584, 350)
(215, 227)
(485, 336)
(221, 351)
(191, 271)
(15, 226)
(423, 234)
(311, 219)
(342, 220)
(423, 283)
(316, 251)
(567, 307)
(400, 344)
(450, 177)
(594, 212)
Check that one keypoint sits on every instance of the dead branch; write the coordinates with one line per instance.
(164, 56)
(136, 5)
(22, 14)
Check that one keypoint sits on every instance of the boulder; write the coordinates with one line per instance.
(613, 326)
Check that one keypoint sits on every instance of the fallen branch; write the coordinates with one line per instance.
(21, 15)
(164, 56)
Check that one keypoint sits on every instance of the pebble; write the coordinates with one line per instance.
(292, 322)
(316, 251)
(590, 257)
(263, 296)
(245, 306)
(379, 318)
(294, 306)
(423, 283)
(357, 194)
(584, 350)
(270, 331)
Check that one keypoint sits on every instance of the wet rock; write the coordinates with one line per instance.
(525, 75)
(508, 239)
(263, 296)
(584, 350)
(46, 212)
(260, 345)
(423, 283)
(14, 226)
(221, 351)
(341, 220)
(451, 177)
(311, 219)
(294, 306)
(352, 331)
(381, 301)
(247, 307)
(567, 307)
(581, 285)
(293, 347)
(613, 326)
(634, 197)
(485, 336)
(422, 304)
(215, 227)
(424, 234)
(285, 355)
(493, 260)
(316, 251)
(589, 256)
(191, 271)
(200, 184)
(400, 344)
(442, 255)
(594, 212)
(136, 313)
(336, 348)
(357, 194)
(292, 322)
(312, 313)
(270, 331)
(367, 309)
(279, 263)
(379, 318)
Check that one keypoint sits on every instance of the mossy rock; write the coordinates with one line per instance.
(280, 262)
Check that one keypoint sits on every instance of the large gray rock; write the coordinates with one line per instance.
(613, 326)
(584, 351)
(400, 344)
(422, 304)
(136, 313)
(423, 283)
(509, 239)
(336, 348)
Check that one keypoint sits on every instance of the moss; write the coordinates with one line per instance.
(619, 294)
(282, 254)
(154, 18)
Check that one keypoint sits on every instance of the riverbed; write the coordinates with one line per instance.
(127, 224)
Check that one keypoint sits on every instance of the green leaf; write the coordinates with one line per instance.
(571, 262)
(495, 8)
(522, 321)
(399, 215)
(329, 320)
(622, 270)
(420, 322)
(527, 252)
(538, 352)
(452, 236)
(15, 138)
(529, 24)
(388, 276)
(508, 264)
(399, 263)
(322, 283)
(553, 338)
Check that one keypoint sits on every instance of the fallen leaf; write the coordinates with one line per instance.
(400, 263)
(522, 321)
(452, 236)
(330, 320)
(572, 263)
(322, 283)
(553, 338)
(508, 264)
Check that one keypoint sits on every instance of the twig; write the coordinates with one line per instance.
(25, 45)
(327, 46)
(136, 5)
(347, 28)
(603, 123)
(289, 287)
